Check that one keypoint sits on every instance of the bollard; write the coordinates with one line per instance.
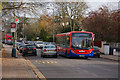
(13, 52)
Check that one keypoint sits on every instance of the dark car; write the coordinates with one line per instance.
(21, 47)
(96, 52)
(6, 41)
(31, 42)
(18, 45)
(3, 41)
(29, 49)
(10, 42)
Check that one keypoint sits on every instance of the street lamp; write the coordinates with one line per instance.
(63, 24)
(72, 23)
(53, 22)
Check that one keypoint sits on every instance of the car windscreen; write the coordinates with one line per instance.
(50, 47)
(39, 42)
(30, 46)
(95, 47)
(21, 44)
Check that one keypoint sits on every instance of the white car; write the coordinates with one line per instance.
(39, 45)
(49, 50)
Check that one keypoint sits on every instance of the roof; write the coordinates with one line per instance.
(64, 34)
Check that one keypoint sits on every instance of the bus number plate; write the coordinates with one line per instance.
(81, 55)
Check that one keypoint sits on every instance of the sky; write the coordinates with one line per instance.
(92, 4)
(95, 4)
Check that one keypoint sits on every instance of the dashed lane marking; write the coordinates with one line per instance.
(43, 62)
(55, 62)
(46, 62)
(51, 62)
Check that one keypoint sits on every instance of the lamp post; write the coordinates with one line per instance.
(53, 23)
(72, 23)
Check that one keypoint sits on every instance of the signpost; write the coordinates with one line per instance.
(13, 27)
(14, 30)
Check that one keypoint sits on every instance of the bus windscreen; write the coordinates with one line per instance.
(81, 41)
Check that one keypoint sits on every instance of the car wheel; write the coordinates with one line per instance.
(98, 56)
(23, 54)
(43, 56)
(55, 56)
(20, 51)
(35, 54)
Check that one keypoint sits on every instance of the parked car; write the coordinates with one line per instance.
(29, 49)
(49, 50)
(39, 44)
(96, 52)
(10, 42)
(6, 41)
(31, 42)
(25, 42)
(21, 47)
(3, 41)
(18, 45)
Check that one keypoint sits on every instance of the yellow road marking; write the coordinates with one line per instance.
(43, 62)
(35, 70)
(55, 62)
(51, 62)
(47, 61)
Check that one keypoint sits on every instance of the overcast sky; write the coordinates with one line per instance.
(95, 4)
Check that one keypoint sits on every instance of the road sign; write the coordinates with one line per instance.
(16, 20)
(13, 29)
(13, 25)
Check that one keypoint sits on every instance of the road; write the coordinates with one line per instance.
(62, 67)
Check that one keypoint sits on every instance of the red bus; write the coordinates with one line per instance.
(75, 44)
(9, 38)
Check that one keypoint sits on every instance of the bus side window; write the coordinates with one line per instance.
(68, 41)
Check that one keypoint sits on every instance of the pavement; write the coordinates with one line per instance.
(110, 57)
(15, 68)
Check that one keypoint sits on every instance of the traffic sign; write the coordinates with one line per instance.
(13, 29)
(16, 20)
(13, 25)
